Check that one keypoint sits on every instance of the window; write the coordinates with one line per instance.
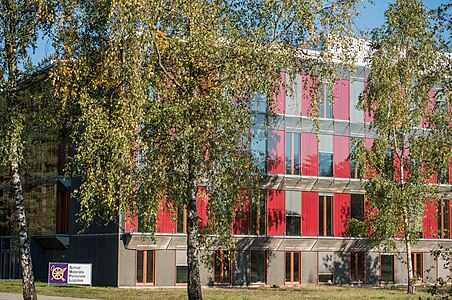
(259, 103)
(181, 219)
(325, 155)
(443, 218)
(181, 267)
(293, 95)
(145, 267)
(418, 266)
(258, 214)
(222, 267)
(357, 207)
(356, 88)
(293, 153)
(293, 262)
(357, 267)
(442, 175)
(293, 213)
(387, 268)
(326, 267)
(259, 142)
(258, 267)
(62, 217)
(325, 108)
(355, 171)
(325, 215)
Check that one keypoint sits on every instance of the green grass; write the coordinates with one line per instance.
(303, 292)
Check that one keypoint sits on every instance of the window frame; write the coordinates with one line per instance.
(222, 254)
(323, 215)
(417, 274)
(443, 218)
(180, 265)
(251, 268)
(354, 256)
(393, 268)
(145, 267)
(290, 151)
(292, 268)
(255, 210)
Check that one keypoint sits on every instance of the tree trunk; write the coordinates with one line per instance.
(409, 263)
(194, 281)
(29, 292)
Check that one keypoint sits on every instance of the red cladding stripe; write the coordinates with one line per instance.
(276, 149)
(202, 200)
(341, 213)
(165, 224)
(341, 107)
(429, 222)
(340, 155)
(280, 99)
(310, 213)
(276, 212)
(309, 153)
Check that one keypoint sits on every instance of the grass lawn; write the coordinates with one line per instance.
(303, 292)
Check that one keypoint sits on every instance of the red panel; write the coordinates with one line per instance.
(341, 146)
(310, 213)
(280, 99)
(165, 224)
(276, 212)
(429, 222)
(341, 213)
(306, 83)
(131, 222)
(341, 107)
(276, 148)
(450, 173)
(367, 117)
(242, 218)
(309, 154)
(202, 199)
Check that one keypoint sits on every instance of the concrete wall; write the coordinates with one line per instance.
(276, 268)
(309, 267)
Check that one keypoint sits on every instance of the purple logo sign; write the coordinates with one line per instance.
(58, 273)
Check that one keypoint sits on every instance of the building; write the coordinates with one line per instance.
(296, 232)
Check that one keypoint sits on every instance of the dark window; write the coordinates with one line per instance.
(181, 267)
(325, 155)
(357, 207)
(357, 267)
(181, 219)
(293, 153)
(387, 268)
(443, 218)
(293, 213)
(62, 217)
(418, 266)
(325, 108)
(222, 267)
(293, 261)
(258, 267)
(325, 215)
(258, 214)
(145, 267)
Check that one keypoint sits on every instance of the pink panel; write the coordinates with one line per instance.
(310, 213)
(341, 213)
(276, 212)
(165, 224)
(306, 83)
(275, 150)
(280, 99)
(131, 222)
(202, 199)
(429, 222)
(341, 147)
(341, 107)
(309, 154)
(367, 117)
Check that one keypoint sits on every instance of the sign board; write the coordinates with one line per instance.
(69, 273)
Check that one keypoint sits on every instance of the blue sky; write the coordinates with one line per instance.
(371, 16)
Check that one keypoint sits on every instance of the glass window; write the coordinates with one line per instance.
(443, 218)
(293, 213)
(357, 207)
(258, 267)
(258, 214)
(354, 169)
(356, 88)
(181, 219)
(293, 147)
(418, 266)
(145, 267)
(387, 268)
(325, 155)
(258, 103)
(357, 267)
(325, 108)
(222, 267)
(293, 95)
(326, 267)
(181, 267)
(293, 261)
(325, 215)
(259, 143)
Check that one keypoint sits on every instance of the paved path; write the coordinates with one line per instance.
(6, 296)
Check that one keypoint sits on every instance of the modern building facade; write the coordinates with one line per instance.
(294, 234)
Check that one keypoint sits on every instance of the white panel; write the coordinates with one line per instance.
(326, 263)
(293, 96)
(356, 88)
(293, 202)
(181, 258)
(325, 143)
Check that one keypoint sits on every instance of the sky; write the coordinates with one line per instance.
(371, 16)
